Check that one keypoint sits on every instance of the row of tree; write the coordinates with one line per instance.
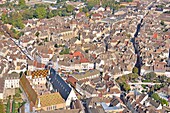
(40, 11)
(156, 97)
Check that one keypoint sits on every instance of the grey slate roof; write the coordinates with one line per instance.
(59, 84)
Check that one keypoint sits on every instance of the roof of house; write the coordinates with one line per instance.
(87, 74)
(51, 99)
(77, 54)
(59, 84)
(89, 89)
(92, 100)
(114, 101)
(39, 73)
(13, 75)
(72, 81)
(63, 111)
(29, 91)
(97, 110)
(154, 103)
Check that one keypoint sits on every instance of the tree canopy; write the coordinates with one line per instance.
(156, 97)
(8, 106)
(22, 3)
(135, 70)
(13, 106)
(150, 75)
(69, 8)
(40, 12)
(65, 51)
(1, 107)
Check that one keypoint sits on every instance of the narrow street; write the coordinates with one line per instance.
(18, 43)
(136, 45)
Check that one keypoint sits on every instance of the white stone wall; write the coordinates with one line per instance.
(12, 83)
(72, 96)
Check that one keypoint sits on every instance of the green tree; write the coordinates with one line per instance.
(4, 18)
(85, 10)
(21, 3)
(54, 12)
(20, 34)
(40, 12)
(162, 23)
(155, 96)
(150, 75)
(65, 51)
(49, 14)
(8, 106)
(164, 102)
(37, 34)
(132, 76)
(81, 9)
(135, 70)
(69, 8)
(93, 3)
(17, 95)
(168, 80)
(16, 20)
(13, 106)
(46, 39)
(126, 87)
(2, 107)
(27, 14)
(21, 73)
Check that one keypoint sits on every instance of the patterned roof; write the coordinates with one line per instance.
(51, 99)
(39, 73)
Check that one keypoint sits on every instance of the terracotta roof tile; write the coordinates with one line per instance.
(38, 73)
(29, 91)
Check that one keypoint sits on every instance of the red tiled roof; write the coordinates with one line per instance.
(35, 63)
(155, 35)
(50, 51)
(96, 15)
(84, 60)
(71, 80)
(77, 53)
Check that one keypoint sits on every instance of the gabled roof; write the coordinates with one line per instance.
(29, 91)
(59, 84)
(77, 54)
(71, 80)
(114, 101)
(89, 89)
